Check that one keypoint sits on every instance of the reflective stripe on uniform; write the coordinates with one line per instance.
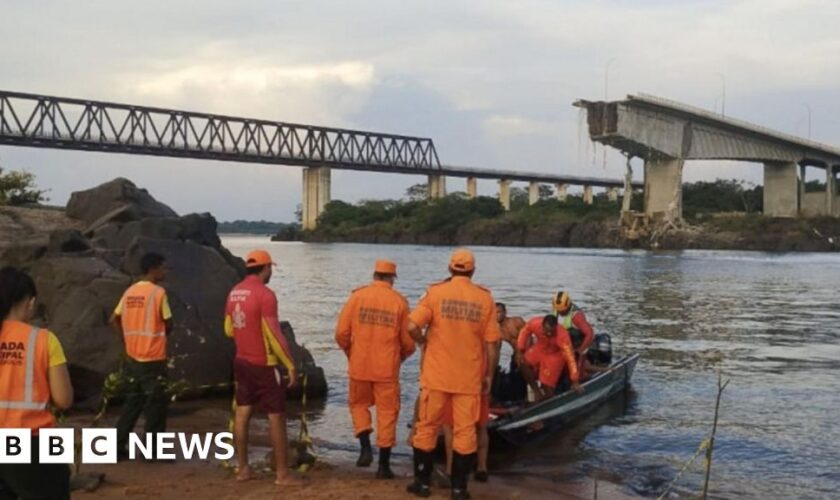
(148, 325)
(29, 379)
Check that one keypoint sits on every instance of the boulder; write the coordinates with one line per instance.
(119, 199)
(81, 276)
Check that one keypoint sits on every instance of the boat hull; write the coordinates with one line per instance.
(539, 421)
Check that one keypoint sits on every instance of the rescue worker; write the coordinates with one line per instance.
(372, 331)
(548, 356)
(571, 317)
(143, 319)
(461, 347)
(33, 375)
(251, 320)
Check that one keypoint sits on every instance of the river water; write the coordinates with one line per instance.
(769, 322)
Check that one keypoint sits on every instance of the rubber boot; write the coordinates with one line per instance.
(424, 463)
(366, 455)
(461, 467)
(384, 471)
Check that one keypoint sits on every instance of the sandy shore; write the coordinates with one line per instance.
(333, 476)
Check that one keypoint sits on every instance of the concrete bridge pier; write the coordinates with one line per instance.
(588, 197)
(317, 183)
(472, 188)
(612, 194)
(504, 193)
(533, 193)
(781, 189)
(561, 190)
(831, 201)
(663, 187)
(437, 186)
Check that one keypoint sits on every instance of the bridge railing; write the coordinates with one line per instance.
(56, 122)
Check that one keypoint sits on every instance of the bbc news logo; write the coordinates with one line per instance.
(99, 446)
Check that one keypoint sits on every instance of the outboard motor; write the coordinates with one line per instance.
(600, 352)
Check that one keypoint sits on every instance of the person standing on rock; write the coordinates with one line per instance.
(33, 374)
(144, 320)
(251, 319)
(372, 331)
(461, 351)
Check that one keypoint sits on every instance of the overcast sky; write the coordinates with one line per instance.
(490, 81)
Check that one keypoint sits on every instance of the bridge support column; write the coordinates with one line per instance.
(561, 190)
(504, 193)
(533, 193)
(830, 191)
(437, 186)
(316, 194)
(781, 189)
(612, 194)
(472, 188)
(588, 197)
(663, 188)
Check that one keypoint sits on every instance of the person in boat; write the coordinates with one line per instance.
(543, 363)
(572, 319)
(586, 369)
(508, 325)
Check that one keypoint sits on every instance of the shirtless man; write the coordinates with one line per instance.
(509, 325)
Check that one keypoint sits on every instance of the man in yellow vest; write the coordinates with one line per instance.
(143, 318)
(33, 373)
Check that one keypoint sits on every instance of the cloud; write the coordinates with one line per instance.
(492, 82)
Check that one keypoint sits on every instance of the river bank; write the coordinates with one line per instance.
(332, 476)
(728, 232)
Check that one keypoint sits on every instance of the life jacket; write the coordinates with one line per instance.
(24, 386)
(143, 326)
(567, 320)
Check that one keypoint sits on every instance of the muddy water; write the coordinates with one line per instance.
(770, 322)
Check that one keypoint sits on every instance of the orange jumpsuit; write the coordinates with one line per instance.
(373, 331)
(549, 355)
(460, 317)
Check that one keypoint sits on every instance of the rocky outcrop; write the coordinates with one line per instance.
(83, 267)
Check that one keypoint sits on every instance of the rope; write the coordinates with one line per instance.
(703, 446)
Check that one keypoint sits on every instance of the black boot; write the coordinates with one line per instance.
(366, 455)
(424, 463)
(461, 467)
(384, 471)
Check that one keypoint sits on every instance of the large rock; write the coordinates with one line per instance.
(119, 199)
(81, 276)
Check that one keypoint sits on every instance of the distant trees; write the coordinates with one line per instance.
(252, 227)
(417, 192)
(721, 195)
(18, 188)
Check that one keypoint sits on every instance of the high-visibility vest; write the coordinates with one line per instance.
(142, 323)
(24, 385)
(566, 321)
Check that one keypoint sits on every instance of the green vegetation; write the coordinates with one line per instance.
(721, 196)
(18, 188)
(252, 227)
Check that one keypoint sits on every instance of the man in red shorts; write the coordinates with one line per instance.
(548, 356)
(251, 319)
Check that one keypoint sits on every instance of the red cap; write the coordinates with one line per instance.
(462, 260)
(258, 258)
(385, 267)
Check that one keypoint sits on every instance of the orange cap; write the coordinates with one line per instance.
(258, 258)
(462, 260)
(385, 267)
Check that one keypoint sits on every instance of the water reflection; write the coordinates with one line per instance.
(768, 321)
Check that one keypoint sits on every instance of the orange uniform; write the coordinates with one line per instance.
(372, 330)
(26, 355)
(143, 311)
(549, 355)
(460, 317)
